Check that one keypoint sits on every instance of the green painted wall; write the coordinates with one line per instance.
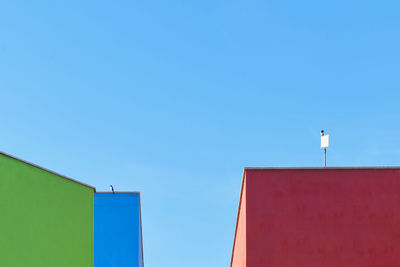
(45, 220)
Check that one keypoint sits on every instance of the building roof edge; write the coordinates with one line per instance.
(47, 170)
(325, 168)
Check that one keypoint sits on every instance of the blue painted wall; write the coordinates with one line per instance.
(117, 230)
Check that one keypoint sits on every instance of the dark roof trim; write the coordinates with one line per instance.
(47, 170)
(324, 168)
(118, 192)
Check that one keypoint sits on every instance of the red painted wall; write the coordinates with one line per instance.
(323, 217)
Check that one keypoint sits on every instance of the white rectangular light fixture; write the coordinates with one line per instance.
(325, 141)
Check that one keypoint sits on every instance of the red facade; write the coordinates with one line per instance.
(332, 217)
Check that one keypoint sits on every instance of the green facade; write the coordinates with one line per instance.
(46, 220)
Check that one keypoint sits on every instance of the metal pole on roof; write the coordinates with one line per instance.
(324, 144)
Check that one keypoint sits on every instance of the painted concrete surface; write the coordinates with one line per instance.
(117, 226)
(46, 220)
(322, 217)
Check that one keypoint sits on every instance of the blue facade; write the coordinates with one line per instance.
(117, 230)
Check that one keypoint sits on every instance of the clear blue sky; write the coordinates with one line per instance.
(174, 98)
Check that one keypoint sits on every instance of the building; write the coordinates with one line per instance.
(312, 217)
(46, 218)
(118, 230)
